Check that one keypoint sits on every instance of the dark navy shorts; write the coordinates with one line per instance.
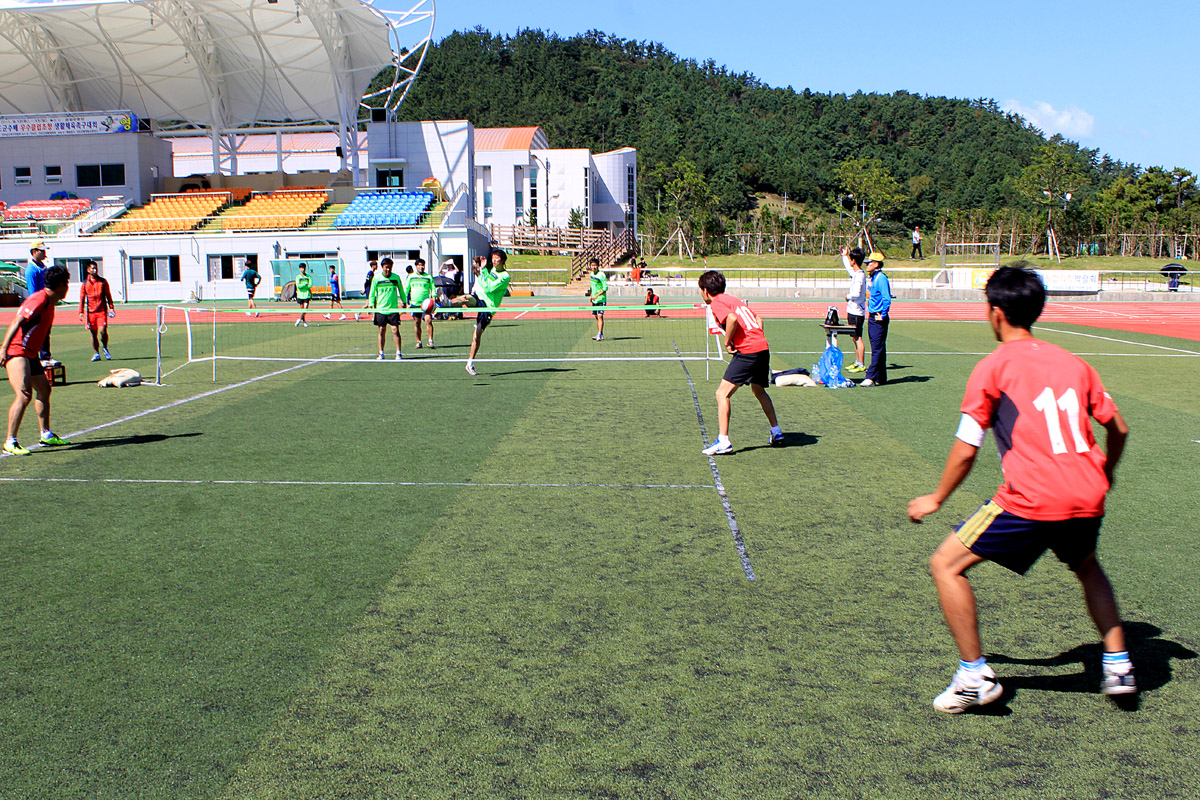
(746, 368)
(1016, 543)
(857, 321)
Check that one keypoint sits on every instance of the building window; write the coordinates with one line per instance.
(154, 268)
(53, 174)
(74, 266)
(389, 178)
(630, 185)
(487, 204)
(226, 268)
(23, 176)
(89, 175)
(587, 197)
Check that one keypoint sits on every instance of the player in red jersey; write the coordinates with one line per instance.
(95, 307)
(19, 356)
(1036, 398)
(751, 362)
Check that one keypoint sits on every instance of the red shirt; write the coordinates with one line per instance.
(95, 294)
(1037, 398)
(36, 316)
(748, 336)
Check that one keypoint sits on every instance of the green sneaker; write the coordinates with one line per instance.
(52, 441)
(14, 449)
(856, 368)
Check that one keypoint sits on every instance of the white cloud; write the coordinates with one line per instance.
(1072, 121)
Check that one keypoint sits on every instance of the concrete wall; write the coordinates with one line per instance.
(139, 152)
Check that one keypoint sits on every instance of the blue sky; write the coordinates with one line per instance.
(1117, 76)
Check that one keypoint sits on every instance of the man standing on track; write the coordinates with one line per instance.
(878, 316)
(491, 284)
(1038, 399)
(252, 279)
(599, 294)
(751, 362)
(19, 356)
(95, 307)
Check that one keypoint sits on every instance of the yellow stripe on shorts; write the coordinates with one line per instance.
(974, 526)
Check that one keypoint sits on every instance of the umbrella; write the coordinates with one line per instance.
(1169, 269)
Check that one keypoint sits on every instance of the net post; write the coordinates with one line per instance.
(214, 337)
(158, 320)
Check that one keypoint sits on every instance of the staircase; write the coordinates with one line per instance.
(609, 250)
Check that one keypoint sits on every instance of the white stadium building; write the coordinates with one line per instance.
(170, 139)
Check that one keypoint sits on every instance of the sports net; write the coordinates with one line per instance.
(526, 332)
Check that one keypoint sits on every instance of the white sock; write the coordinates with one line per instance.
(47, 433)
(775, 429)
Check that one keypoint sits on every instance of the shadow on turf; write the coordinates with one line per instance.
(796, 439)
(1151, 656)
(122, 441)
(528, 371)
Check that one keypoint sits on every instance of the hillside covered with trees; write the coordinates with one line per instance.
(942, 159)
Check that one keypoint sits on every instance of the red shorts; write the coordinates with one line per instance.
(97, 320)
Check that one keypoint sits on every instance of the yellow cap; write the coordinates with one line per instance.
(875, 256)
(37, 244)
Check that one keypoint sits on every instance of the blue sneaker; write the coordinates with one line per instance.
(95, 356)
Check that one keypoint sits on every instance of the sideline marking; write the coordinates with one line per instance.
(200, 396)
(219, 482)
(523, 313)
(1097, 310)
(738, 542)
(1125, 341)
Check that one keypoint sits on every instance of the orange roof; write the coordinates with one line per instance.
(533, 138)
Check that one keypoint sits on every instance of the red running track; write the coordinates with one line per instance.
(1179, 320)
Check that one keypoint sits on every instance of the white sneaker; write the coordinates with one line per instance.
(967, 691)
(356, 317)
(599, 337)
(718, 448)
(1118, 681)
(398, 356)
(297, 325)
(380, 356)
(306, 324)
(327, 316)
(107, 355)
(867, 382)
(419, 345)
(343, 316)
(470, 370)
(431, 344)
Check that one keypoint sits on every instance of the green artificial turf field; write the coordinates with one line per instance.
(395, 580)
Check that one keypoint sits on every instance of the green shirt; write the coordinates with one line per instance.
(386, 294)
(303, 286)
(420, 286)
(492, 286)
(599, 287)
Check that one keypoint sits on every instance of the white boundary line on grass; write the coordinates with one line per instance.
(481, 485)
(738, 541)
(200, 396)
(1123, 341)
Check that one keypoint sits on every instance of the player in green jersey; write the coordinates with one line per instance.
(387, 298)
(491, 284)
(303, 292)
(420, 287)
(599, 294)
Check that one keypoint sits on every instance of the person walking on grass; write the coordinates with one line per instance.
(751, 362)
(387, 298)
(491, 284)
(916, 245)
(856, 299)
(19, 355)
(599, 294)
(1038, 399)
(95, 308)
(420, 288)
(252, 279)
(335, 292)
(303, 292)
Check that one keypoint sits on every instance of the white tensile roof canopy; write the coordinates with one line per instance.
(212, 64)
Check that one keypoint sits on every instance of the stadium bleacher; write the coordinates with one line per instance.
(380, 209)
(171, 213)
(46, 209)
(284, 209)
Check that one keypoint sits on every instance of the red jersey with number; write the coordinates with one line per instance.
(748, 336)
(1037, 399)
(36, 315)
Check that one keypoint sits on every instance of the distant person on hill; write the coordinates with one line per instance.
(916, 244)
(95, 307)
(1039, 400)
(252, 279)
(856, 299)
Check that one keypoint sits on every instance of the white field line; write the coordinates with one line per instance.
(176, 403)
(1123, 341)
(1093, 310)
(465, 484)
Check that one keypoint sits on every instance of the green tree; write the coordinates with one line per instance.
(688, 198)
(876, 193)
